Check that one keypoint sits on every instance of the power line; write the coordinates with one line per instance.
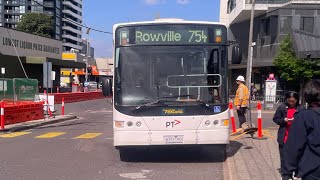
(74, 22)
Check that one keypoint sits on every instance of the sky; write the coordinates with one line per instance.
(103, 14)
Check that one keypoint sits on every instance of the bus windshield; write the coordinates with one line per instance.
(189, 73)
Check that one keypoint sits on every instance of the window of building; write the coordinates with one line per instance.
(306, 24)
(285, 24)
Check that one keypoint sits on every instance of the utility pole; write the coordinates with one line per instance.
(88, 48)
(249, 61)
(250, 53)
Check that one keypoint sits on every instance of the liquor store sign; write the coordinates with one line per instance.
(28, 44)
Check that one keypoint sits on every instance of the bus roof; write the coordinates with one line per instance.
(165, 21)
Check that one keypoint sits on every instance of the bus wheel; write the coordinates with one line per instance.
(124, 154)
(216, 153)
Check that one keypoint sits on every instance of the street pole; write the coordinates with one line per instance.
(249, 61)
(250, 45)
(88, 48)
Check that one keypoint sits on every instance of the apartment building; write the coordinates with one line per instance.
(66, 14)
(12, 10)
(71, 25)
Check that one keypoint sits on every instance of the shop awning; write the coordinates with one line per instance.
(56, 62)
(95, 72)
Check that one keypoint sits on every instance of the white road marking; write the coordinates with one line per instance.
(140, 175)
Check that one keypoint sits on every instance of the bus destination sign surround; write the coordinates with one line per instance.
(170, 35)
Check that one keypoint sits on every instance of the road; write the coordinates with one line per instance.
(66, 151)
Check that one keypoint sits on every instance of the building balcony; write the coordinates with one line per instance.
(72, 14)
(71, 29)
(71, 5)
(8, 11)
(67, 36)
(14, 21)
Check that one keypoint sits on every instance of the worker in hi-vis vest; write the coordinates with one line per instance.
(241, 100)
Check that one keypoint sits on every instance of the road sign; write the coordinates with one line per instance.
(47, 74)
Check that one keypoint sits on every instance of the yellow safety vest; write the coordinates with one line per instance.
(245, 99)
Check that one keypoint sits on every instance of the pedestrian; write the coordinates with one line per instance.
(284, 118)
(241, 101)
(303, 145)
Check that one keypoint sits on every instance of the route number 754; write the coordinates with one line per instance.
(197, 36)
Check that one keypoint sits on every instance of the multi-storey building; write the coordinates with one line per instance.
(274, 19)
(66, 14)
(71, 25)
(12, 10)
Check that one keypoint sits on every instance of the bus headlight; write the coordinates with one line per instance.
(129, 123)
(216, 122)
(119, 124)
(138, 124)
(207, 123)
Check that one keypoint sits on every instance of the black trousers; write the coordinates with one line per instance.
(241, 115)
(283, 170)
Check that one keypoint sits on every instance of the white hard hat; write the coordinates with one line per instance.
(240, 78)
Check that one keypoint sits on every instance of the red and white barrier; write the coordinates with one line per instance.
(62, 107)
(233, 123)
(259, 106)
(2, 115)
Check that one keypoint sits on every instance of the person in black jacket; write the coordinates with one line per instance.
(302, 150)
(284, 118)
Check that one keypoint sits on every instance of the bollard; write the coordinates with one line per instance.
(233, 123)
(2, 115)
(47, 104)
(259, 120)
(62, 107)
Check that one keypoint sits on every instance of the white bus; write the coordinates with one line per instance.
(170, 84)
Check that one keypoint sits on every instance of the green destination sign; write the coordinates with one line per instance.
(171, 34)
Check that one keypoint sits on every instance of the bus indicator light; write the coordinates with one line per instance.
(119, 124)
(226, 122)
(218, 39)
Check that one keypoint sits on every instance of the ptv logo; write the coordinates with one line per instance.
(172, 123)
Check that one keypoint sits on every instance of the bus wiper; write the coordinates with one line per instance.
(192, 96)
(160, 99)
(156, 101)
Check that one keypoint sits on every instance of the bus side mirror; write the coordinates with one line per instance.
(106, 87)
(236, 55)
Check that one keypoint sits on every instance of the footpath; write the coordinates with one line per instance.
(251, 158)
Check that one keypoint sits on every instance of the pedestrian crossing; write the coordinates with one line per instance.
(52, 135)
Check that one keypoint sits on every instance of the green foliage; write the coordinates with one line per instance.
(37, 24)
(292, 68)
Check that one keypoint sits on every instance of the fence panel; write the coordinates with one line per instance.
(6, 89)
(25, 89)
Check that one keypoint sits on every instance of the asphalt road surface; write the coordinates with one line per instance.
(82, 149)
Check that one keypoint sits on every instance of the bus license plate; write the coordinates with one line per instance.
(173, 139)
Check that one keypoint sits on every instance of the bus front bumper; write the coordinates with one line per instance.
(137, 138)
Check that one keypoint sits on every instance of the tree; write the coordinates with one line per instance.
(292, 68)
(37, 24)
